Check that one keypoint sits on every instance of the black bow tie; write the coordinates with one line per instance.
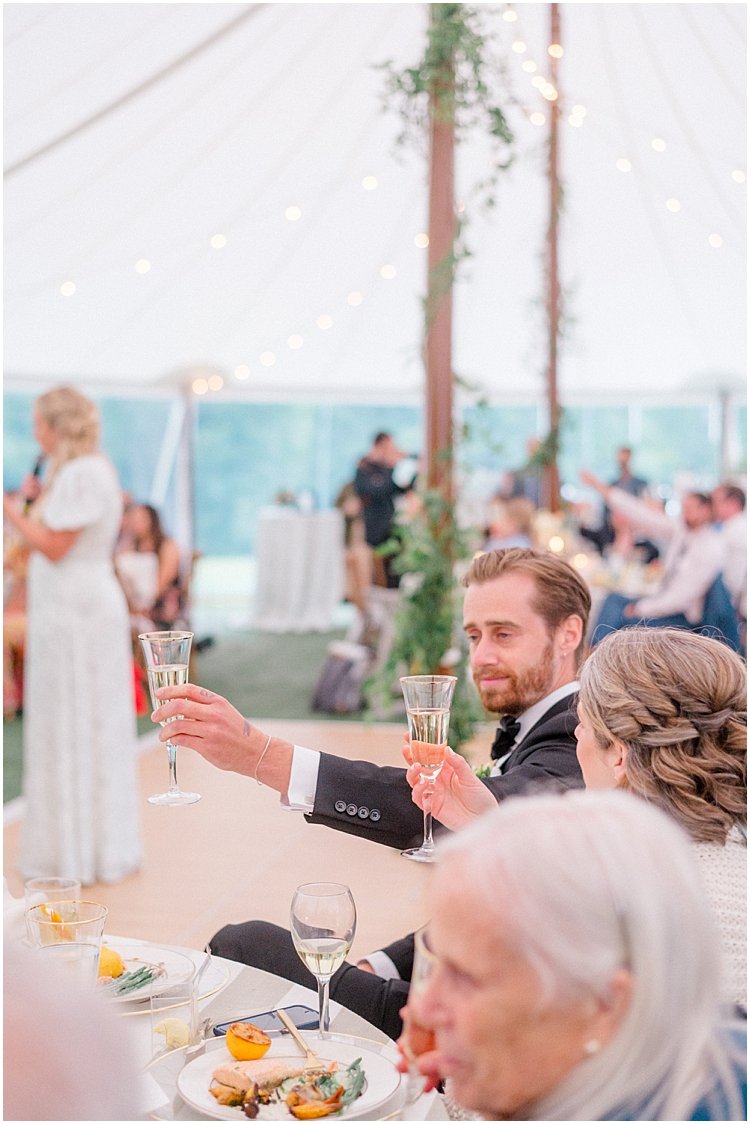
(506, 734)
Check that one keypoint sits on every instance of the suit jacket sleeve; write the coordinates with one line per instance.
(401, 952)
(374, 801)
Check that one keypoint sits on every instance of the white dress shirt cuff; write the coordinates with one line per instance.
(382, 965)
(303, 780)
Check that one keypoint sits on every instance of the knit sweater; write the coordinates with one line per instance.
(724, 872)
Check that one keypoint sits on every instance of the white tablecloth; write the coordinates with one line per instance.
(300, 560)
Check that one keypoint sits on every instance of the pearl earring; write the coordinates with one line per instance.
(593, 1046)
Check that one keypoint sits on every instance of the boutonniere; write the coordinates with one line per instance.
(482, 771)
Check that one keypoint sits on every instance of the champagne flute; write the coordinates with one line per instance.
(167, 657)
(417, 1038)
(323, 919)
(428, 707)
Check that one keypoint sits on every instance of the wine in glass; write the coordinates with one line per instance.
(167, 656)
(323, 919)
(428, 708)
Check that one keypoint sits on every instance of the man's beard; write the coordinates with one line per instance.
(521, 691)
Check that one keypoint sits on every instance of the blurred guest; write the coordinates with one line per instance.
(604, 534)
(376, 487)
(512, 524)
(67, 1055)
(79, 780)
(728, 502)
(692, 563)
(15, 564)
(585, 986)
(150, 570)
(528, 480)
(357, 554)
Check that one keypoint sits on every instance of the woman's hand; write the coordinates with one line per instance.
(456, 796)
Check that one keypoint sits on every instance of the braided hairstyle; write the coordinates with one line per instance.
(678, 702)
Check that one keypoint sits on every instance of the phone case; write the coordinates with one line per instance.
(303, 1017)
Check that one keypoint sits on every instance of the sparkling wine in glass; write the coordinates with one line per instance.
(323, 920)
(167, 656)
(428, 708)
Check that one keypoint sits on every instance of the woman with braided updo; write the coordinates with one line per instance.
(663, 714)
(79, 779)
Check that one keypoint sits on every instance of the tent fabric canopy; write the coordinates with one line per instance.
(219, 190)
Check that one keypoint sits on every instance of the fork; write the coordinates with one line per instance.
(312, 1058)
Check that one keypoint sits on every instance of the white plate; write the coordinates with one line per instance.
(178, 968)
(382, 1079)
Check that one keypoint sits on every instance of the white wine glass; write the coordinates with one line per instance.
(167, 656)
(323, 920)
(428, 710)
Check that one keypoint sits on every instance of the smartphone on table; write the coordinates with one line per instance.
(303, 1017)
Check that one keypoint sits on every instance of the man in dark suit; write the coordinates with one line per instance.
(525, 616)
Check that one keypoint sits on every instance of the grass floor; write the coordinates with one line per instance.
(264, 675)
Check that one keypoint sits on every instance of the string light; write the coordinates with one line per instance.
(510, 16)
(715, 240)
(324, 322)
(215, 382)
(268, 359)
(218, 241)
(291, 214)
(539, 82)
(537, 118)
(68, 288)
(295, 342)
(623, 165)
(576, 122)
(529, 66)
(143, 265)
(519, 47)
(422, 241)
(355, 298)
(549, 92)
(658, 144)
(200, 386)
(673, 205)
(242, 372)
(369, 183)
(388, 271)
(738, 175)
(555, 51)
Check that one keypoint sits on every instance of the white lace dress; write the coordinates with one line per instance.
(79, 780)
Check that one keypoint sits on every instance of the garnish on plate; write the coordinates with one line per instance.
(307, 1094)
(129, 982)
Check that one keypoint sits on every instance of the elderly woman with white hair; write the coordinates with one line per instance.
(576, 969)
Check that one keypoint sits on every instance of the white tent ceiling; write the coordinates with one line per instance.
(285, 109)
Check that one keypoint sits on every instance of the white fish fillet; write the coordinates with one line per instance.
(268, 1073)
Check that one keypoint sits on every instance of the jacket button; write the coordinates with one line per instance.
(374, 815)
(363, 813)
(340, 805)
(351, 809)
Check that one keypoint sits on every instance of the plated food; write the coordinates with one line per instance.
(130, 973)
(278, 1086)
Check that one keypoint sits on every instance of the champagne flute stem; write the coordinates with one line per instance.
(427, 843)
(324, 1015)
(172, 759)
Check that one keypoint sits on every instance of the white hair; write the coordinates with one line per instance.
(589, 883)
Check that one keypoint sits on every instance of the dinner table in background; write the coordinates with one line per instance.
(300, 560)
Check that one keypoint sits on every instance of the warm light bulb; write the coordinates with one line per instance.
(218, 241)
(143, 265)
(422, 240)
(355, 298)
(268, 359)
(576, 122)
(556, 544)
(715, 240)
(295, 342)
(388, 271)
(215, 382)
(510, 16)
(200, 386)
(580, 561)
(324, 322)
(539, 81)
(673, 205)
(623, 165)
(537, 118)
(579, 110)
(242, 372)
(555, 51)
(369, 183)
(738, 175)
(519, 47)
(658, 144)
(291, 214)
(549, 92)
(67, 288)
(529, 66)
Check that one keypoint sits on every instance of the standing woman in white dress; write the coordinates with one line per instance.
(79, 777)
